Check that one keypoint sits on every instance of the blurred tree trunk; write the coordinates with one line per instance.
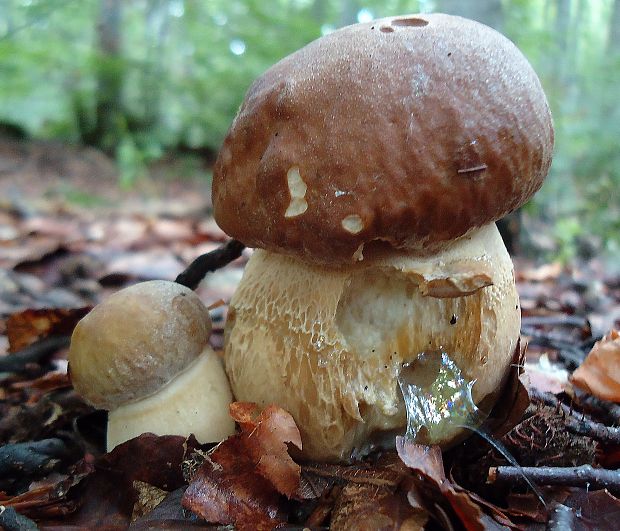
(157, 21)
(319, 10)
(488, 12)
(108, 108)
(560, 64)
(6, 14)
(613, 42)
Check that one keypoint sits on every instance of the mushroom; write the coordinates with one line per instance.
(368, 169)
(143, 354)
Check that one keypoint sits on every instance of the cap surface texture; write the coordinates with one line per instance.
(137, 340)
(409, 130)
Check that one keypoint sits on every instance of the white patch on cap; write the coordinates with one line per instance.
(352, 224)
(297, 188)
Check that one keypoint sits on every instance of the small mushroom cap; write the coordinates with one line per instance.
(409, 130)
(136, 341)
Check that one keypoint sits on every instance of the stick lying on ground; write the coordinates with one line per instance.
(581, 476)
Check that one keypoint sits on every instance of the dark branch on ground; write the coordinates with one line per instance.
(34, 353)
(23, 462)
(13, 521)
(577, 422)
(209, 262)
(581, 476)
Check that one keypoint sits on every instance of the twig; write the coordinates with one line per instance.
(580, 424)
(580, 476)
(598, 407)
(554, 320)
(209, 262)
(33, 353)
(24, 461)
(10, 520)
(594, 430)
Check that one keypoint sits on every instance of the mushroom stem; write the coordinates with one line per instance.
(194, 401)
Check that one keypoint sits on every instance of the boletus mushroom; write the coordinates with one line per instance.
(144, 355)
(368, 169)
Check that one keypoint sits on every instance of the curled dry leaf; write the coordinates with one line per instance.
(427, 461)
(243, 478)
(267, 436)
(599, 374)
(27, 327)
(109, 494)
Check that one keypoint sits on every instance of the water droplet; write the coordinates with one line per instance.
(437, 397)
(322, 362)
(319, 342)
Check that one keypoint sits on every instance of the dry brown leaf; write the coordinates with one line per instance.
(599, 374)
(27, 327)
(427, 461)
(243, 478)
(267, 437)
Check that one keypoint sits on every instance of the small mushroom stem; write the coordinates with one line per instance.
(195, 401)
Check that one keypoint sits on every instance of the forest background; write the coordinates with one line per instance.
(143, 79)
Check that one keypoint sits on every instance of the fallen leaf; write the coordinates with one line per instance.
(267, 436)
(27, 327)
(594, 510)
(243, 478)
(169, 514)
(109, 495)
(427, 461)
(599, 374)
(149, 497)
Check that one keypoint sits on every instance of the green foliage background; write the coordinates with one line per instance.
(184, 66)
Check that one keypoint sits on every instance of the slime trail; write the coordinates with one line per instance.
(438, 400)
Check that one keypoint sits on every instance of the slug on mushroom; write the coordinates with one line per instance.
(143, 354)
(368, 169)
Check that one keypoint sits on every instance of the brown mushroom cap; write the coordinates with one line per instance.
(137, 340)
(409, 130)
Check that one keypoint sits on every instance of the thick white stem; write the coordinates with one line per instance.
(195, 401)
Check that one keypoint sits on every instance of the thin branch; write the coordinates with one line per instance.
(209, 262)
(578, 423)
(34, 353)
(10, 520)
(25, 461)
(594, 430)
(581, 476)
(554, 320)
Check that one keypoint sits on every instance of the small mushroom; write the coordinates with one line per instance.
(143, 354)
(411, 135)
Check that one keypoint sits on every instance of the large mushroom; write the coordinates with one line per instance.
(368, 169)
(144, 355)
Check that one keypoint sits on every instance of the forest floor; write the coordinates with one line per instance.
(69, 236)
